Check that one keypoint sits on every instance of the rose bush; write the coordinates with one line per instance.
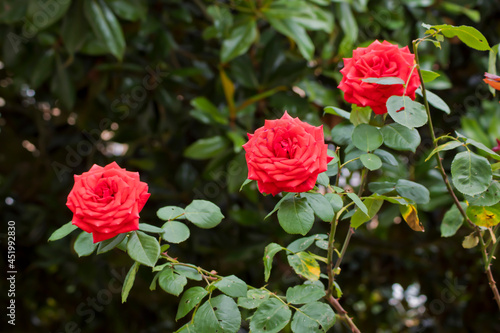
(286, 155)
(376, 61)
(106, 201)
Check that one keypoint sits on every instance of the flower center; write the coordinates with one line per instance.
(105, 189)
(285, 148)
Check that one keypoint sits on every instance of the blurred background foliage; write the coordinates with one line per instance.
(170, 88)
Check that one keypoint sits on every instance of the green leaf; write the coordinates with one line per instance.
(358, 202)
(63, 231)
(143, 248)
(269, 253)
(44, 14)
(206, 148)
(348, 24)
(359, 217)
(170, 212)
(246, 182)
(129, 281)
(43, 69)
(484, 216)
(413, 191)
(337, 112)
(191, 298)
(314, 317)
(468, 35)
(386, 157)
(303, 243)
(271, 317)
(305, 293)
(239, 41)
(84, 245)
(278, 204)
(305, 265)
(399, 137)
(219, 314)
(322, 244)
(489, 197)
(204, 214)
(371, 161)
(150, 228)
(232, 286)
(446, 146)
(188, 328)
(131, 10)
(105, 26)
(360, 115)
(204, 105)
(406, 112)
(452, 221)
(296, 216)
(175, 232)
(253, 299)
(320, 206)
(171, 282)
(366, 137)
(384, 80)
(62, 86)
(291, 29)
(382, 187)
(435, 100)
(335, 201)
(471, 174)
(323, 179)
(188, 272)
(342, 133)
(109, 244)
(482, 147)
(428, 76)
(492, 64)
(74, 30)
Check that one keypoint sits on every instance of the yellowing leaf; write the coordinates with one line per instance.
(228, 87)
(410, 216)
(304, 264)
(470, 241)
(484, 216)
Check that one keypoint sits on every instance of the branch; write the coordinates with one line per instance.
(342, 313)
(450, 189)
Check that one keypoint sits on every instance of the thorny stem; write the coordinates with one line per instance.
(486, 259)
(342, 313)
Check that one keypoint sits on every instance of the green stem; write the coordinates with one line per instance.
(344, 249)
(331, 247)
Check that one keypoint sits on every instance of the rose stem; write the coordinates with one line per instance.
(342, 313)
(487, 262)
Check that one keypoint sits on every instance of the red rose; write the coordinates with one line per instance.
(375, 61)
(286, 155)
(107, 201)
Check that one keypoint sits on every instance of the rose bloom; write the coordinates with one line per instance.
(496, 149)
(286, 154)
(492, 80)
(107, 201)
(376, 61)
